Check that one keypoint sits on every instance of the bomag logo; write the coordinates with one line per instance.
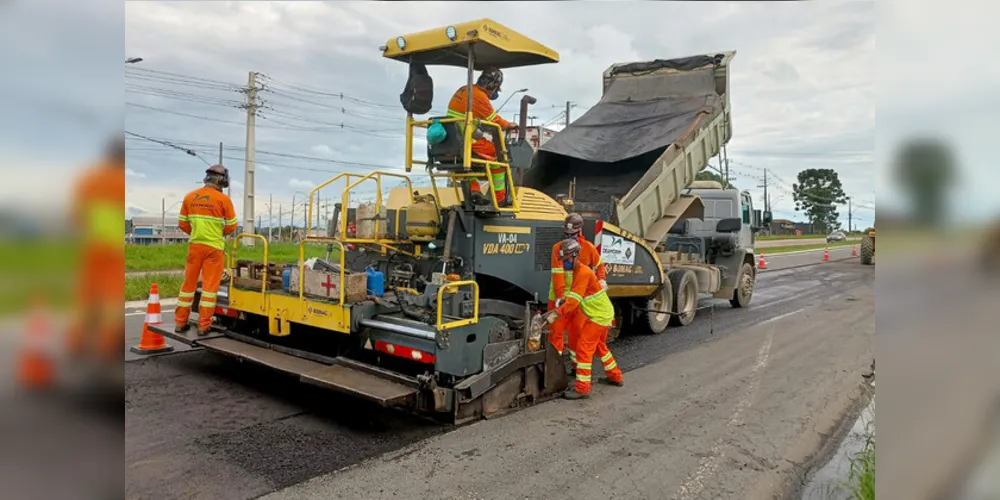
(495, 32)
(202, 198)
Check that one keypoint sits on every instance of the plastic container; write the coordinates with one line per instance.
(535, 333)
(376, 282)
(286, 278)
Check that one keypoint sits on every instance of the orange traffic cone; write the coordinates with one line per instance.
(152, 343)
(761, 263)
(826, 254)
(854, 251)
(35, 370)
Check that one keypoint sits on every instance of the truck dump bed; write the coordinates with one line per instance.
(633, 154)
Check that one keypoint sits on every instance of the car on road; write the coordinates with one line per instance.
(836, 236)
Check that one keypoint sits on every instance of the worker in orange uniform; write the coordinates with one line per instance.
(207, 215)
(563, 278)
(486, 89)
(99, 212)
(590, 310)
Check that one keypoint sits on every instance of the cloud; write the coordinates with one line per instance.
(802, 82)
(134, 210)
(132, 173)
(322, 149)
(300, 184)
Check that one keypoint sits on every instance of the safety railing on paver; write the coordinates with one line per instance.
(302, 266)
(344, 236)
(467, 160)
(233, 262)
(449, 288)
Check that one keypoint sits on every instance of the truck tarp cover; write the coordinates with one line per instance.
(637, 114)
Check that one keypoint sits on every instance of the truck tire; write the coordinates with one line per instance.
(867, 250)
(745, 284)
(684, 288)
(653, 321)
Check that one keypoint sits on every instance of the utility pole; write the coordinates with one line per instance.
(569, 104)
(767, 200)
(163, 221)
(281, 226)
(270, 217)
(292, 229)
(850, 214)
(248, 181)
(228, 188)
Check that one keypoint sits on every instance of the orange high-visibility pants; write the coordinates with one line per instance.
(487, 151)
(560, 330)
(209, 263)
(593, 338)
(98, 325)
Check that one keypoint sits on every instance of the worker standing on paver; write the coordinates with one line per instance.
(590, 310)
(99, 213)
(486, 89)
(562, 279)
(207, 215)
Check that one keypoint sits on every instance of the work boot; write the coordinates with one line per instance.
(202, 333)
(573, 395)
(607, 381)
(182, 328)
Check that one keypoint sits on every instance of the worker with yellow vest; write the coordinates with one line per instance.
(486, 89)
(207, 214)
(592, 319)
(562, 279)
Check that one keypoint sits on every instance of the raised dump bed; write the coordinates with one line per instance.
(632, 155)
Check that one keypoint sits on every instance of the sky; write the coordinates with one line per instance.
(803, 91)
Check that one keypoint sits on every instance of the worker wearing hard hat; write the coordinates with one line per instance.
(562, 279)
(207, 215)
(486, 89)
(591, 312)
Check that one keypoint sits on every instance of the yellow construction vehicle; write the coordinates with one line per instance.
(427, 296)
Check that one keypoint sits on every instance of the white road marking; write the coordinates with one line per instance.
(695, 482)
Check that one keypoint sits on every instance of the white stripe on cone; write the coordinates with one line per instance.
(154, 298)
(153, 319)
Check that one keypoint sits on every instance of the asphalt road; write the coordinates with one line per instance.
(204, 426)
(793, 242)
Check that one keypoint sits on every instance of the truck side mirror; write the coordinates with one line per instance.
(730, 225)
(768, 218)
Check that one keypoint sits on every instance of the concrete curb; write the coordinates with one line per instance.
(779, 254)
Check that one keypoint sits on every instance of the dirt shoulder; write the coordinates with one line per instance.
(737, 417)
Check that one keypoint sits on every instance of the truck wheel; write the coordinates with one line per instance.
(655, 321)
(867, 250)
(684, 287)
(744, 287)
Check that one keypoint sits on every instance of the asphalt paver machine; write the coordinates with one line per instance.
(428, 293)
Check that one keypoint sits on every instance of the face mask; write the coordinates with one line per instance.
(495, 95)
(568, 265)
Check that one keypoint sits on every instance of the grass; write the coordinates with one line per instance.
(137, 287)
(797, 248)
(172, 256)
(862, 475)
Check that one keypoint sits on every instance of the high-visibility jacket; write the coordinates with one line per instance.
(207, 214)
(99, 208)
(589, 296)
(589, 256)
(482, 109)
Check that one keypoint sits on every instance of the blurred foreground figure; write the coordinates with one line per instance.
(207, 214)
(98, 214)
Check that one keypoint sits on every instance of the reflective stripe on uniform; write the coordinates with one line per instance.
(207, 304)
(207, 230)
(581, 377)
(558, 270)
(568, 278)
(208, 295)
(611, 366)
(607, 357)
(573, 295)
(185, 294)
(184, 303)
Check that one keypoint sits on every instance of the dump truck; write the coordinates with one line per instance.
(428, 293)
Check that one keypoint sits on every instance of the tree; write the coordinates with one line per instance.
(708, 175)
(925, 168)
(817, 193)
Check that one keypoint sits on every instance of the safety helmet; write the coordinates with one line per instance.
(218, 175)
(490, 79)
(569, 249)
(573, 224)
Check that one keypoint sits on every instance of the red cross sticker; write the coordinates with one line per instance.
(328, 285)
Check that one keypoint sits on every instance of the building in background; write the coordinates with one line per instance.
(537, 135)
(147, 230)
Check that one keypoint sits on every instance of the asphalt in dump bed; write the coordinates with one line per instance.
(199, 425)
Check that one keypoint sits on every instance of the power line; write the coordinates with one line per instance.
(169, 145)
